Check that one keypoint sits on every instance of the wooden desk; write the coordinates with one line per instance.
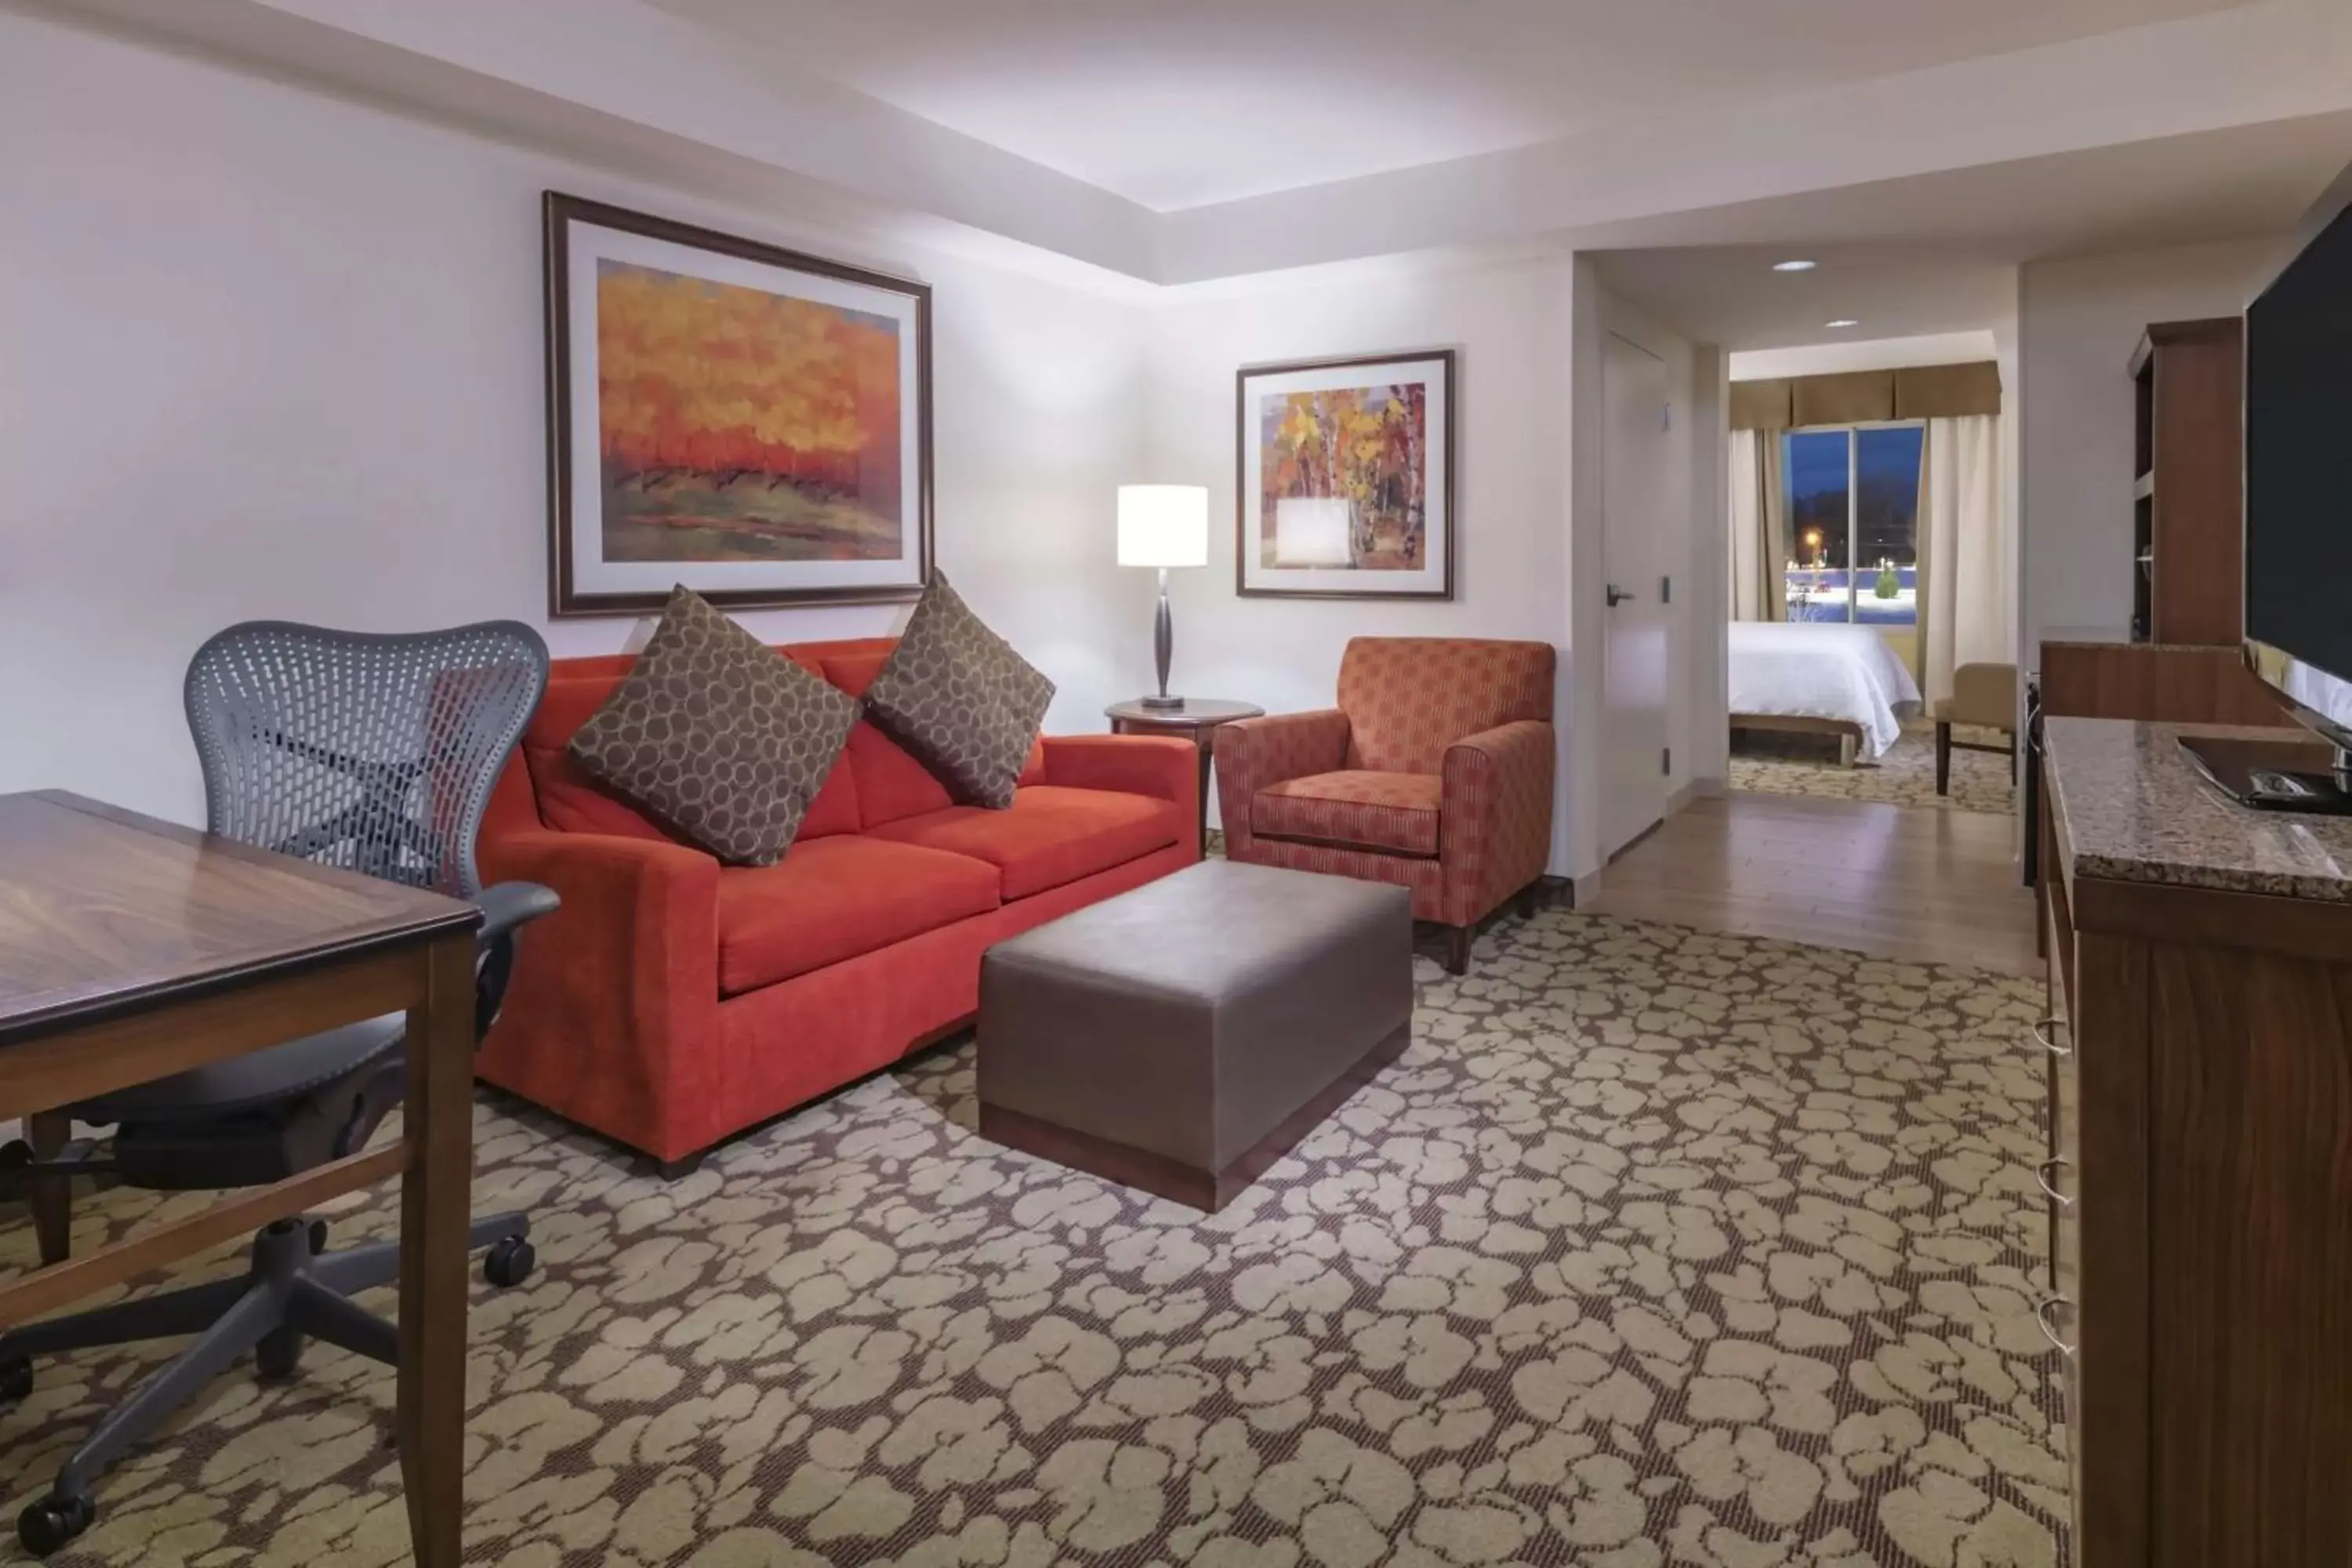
(131, 949)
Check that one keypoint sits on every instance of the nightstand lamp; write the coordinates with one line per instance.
(1164, 526)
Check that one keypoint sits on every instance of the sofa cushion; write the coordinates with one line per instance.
(957, 696)
(572, 800)
(715, 736)
(1394, 813)
(835, 898)
(1050, 835)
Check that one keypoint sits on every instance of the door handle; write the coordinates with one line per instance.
(1617, 595)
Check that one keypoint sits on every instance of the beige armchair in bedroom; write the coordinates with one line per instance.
(1984, 696)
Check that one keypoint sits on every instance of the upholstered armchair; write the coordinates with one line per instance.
(1434, 771)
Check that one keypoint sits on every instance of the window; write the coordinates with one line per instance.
(1853, 510)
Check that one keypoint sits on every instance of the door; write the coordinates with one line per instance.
(1635, 473)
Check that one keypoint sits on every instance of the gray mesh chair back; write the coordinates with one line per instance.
(373, 753)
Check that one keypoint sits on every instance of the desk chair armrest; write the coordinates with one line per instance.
(508, 905)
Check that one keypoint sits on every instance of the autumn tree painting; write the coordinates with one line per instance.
(740, 425)
(1368, 445)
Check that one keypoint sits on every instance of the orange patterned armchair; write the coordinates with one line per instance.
(1434, 771)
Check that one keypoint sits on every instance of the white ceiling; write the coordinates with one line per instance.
(1679, 129)
(1180, 103)
(1937, 253)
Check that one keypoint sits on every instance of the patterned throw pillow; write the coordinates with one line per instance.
(715, 735)
(958, 696)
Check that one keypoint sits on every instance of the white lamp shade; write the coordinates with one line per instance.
(1314, 531)
(1163, 525)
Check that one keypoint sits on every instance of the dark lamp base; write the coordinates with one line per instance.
(1162, 704)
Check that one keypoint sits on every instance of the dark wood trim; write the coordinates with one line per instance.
(2159, 912)
(189, 1026)
(438, 1151)
(46, 1133)
(1173, 1179)
(47, 1290)
(563, 600)
(2109, 1396)
(1445, 357)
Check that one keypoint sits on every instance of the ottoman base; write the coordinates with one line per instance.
(1172, 1179)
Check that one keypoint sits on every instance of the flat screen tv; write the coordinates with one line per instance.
(2299, 482)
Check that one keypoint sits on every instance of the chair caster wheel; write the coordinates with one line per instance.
(318, 1238)
(278, 1356)
(49, 1524)
(16, 1379)
(509, 1261)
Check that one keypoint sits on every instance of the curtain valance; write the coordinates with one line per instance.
(1864, 396)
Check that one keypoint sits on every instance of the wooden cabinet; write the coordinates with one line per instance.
(2085, 677)
(2188, 495)
(2198, 1059)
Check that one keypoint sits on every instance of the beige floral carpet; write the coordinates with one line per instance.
(1807, 764)
(1656, 1248)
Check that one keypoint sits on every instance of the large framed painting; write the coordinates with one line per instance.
(747, 421)
(1346, 478)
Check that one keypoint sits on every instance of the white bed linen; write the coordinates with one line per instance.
(1816, 669)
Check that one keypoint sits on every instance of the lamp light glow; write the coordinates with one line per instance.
(1163, 525)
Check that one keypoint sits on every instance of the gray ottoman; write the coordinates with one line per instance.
(1181, 1037)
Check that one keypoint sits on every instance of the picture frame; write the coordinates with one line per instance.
(820, 495)
(1362, 451)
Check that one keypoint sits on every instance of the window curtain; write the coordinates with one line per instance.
(1968, 611)
(1757, 526)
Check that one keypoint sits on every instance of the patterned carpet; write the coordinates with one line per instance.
(1657, 1247)
(1807, 764)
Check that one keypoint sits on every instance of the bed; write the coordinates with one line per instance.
(1820, 678)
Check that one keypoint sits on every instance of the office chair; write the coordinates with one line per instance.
(375, 753)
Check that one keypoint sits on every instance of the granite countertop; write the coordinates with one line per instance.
(2134, 808)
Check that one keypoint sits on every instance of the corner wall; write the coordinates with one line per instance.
(2078, 321)
(270, 353)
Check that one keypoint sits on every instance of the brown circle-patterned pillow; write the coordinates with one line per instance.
(715, 735)
(958, 696)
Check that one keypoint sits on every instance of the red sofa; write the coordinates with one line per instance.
(673, 1002)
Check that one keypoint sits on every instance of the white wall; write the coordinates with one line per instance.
(2078, 323)
(265, 352)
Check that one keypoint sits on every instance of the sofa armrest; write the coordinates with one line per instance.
(1164, 767)
(609, 986)
(1495, 816)
(1254, 753)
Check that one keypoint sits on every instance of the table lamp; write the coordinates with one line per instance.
(1164, 526)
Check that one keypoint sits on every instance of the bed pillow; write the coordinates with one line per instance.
(957, 696)
(715, 735)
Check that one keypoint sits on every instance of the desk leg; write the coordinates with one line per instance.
(434, 1218)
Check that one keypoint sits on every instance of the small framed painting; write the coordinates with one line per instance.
(750, 422)
(1346, 478)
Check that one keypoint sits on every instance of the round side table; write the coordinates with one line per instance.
(1197, 720)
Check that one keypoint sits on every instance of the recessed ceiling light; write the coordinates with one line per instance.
(1841, 323)
(1795, 264)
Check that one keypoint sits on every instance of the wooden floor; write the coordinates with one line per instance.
(1902, 882)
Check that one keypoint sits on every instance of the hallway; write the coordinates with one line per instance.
(1930, 886)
